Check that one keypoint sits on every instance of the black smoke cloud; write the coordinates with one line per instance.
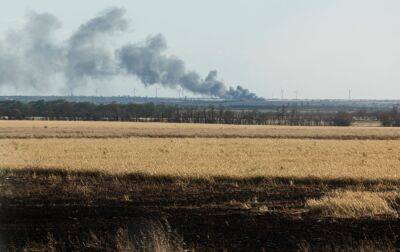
(31, 58)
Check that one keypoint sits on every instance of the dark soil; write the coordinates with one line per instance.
(76, 210)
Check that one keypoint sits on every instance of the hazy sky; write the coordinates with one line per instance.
(322, 48)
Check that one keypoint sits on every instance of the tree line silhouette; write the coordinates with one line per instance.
(63, 110)
(391, 118)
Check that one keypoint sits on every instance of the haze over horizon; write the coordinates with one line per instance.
(319, 48)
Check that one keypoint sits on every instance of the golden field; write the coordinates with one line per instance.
(205, 157)
(79, 129)
(360, 153)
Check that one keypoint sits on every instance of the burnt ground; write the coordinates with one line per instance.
(86, 210)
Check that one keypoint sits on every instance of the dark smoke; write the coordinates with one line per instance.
(32, 58)
(151, 66)
(240, 92)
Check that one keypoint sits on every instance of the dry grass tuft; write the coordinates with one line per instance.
(355, 204)
(153, 238)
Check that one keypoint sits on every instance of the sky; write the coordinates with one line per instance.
(315, 48)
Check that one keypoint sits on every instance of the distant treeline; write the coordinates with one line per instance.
(390, 119)
(63, 110)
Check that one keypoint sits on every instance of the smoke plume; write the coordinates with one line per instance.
(31, 58)
(86, 54)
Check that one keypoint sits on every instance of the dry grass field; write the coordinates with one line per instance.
(280, 185)
(208, 157)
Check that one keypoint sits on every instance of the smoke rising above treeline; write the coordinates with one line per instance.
(31, 58)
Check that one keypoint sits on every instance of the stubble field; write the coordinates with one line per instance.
(208, 157)
(79, 129)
